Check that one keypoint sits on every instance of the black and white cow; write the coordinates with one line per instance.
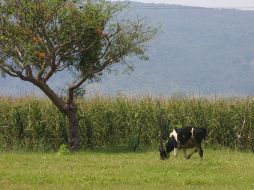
(184, 138)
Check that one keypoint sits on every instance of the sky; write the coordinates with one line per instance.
(239, 4)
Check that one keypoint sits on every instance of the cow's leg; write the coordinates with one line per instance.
(188, 157)
(185, 153)
(175, 152)
(200, 151)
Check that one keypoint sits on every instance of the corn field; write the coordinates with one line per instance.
(35, 124)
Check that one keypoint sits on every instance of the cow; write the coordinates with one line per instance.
(184, 138)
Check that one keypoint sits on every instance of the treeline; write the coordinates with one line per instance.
(35, 124)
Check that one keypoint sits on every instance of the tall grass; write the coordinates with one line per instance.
(35, 124)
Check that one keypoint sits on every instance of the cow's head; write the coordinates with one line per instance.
(163, 153)
(170, 145)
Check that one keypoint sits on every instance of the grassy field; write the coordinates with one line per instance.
(220, 169)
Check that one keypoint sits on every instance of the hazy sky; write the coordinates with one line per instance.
(207, 3)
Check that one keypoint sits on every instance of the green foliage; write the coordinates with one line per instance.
(35, 124)
(31, 124)
(84, 37)
(63, 150)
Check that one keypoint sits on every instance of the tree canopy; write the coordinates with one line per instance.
(40, 38)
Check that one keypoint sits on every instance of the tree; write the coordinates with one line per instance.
(39, 38)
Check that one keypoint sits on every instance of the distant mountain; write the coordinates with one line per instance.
(199, 50)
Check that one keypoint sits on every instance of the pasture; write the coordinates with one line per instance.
(98, 169)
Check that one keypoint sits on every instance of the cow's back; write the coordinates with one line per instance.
(184, 134)
(199, 134)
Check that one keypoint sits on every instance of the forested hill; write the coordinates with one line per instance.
(199, 50)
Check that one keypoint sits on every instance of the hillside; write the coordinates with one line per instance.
(199, 50)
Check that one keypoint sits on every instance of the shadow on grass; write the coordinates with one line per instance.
(95, 149)
(117, 149)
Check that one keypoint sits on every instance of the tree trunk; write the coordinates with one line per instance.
(68, 109)
(73, 126)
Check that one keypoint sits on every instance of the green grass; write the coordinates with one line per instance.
(220, 169)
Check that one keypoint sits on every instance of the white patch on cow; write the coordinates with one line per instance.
(192, 132)
(174, 134)
(175, 151)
